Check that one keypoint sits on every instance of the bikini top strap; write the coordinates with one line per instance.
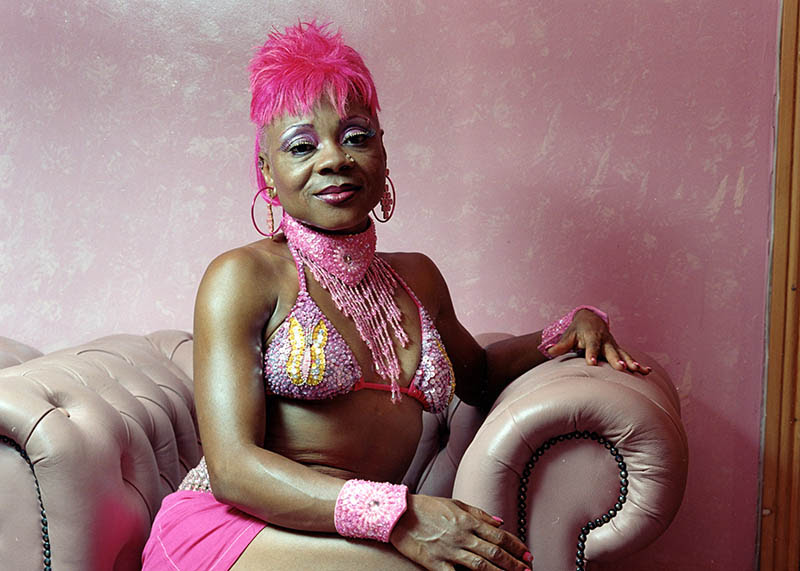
(401, 281)
(301, 274)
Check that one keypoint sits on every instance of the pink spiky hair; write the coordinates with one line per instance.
(295, 69)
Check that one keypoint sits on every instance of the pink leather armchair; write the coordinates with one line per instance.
(583, 463)
(92, 437)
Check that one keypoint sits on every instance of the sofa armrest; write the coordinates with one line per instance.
(567, 444)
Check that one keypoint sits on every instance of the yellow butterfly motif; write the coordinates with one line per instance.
(306, 363)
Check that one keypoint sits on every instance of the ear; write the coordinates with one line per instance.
(383, 150)
(264, 167)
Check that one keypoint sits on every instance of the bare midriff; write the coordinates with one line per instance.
(358, 435)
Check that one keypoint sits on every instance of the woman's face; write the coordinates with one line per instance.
(328, 171)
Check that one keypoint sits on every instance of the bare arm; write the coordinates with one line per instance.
(483, 373)
(230, 317)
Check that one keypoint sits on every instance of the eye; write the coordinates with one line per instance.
(356, 136)
(299, 146)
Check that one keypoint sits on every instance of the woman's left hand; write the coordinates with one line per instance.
(590, 333)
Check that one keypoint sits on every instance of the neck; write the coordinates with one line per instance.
(344, 255)
(361, 285)
(364, 226)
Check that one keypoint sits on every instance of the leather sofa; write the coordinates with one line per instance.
(585, 463)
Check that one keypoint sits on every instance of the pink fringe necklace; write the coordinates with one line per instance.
(361, 285)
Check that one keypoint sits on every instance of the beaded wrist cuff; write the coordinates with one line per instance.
(552, 333)
(369, 510)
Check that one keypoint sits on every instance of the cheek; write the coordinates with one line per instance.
(377, 167)
(287, 177)
(380, 176)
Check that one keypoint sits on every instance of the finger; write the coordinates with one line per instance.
(633, 364)
(495, 554)
(506, 541)
(593, 347)
(480, 514)
(484, 555)
(613, 357)
(564, 345)
(471, 560)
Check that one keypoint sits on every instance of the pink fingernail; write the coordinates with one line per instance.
(527, 558)
(593, 360)
(621, 362)
(497, 519)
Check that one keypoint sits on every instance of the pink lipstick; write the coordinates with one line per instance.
(337, 194)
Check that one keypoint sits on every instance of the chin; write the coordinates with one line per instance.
(340, 222)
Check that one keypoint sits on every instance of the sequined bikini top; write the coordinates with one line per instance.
(308, 359)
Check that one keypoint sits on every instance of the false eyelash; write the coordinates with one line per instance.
(360, 132)
(291, 145)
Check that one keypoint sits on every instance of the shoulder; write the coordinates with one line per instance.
(422, 276)
(412, 261)
(257, 258)
(246, 276)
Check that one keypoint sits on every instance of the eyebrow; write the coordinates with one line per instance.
(358, 116)
(343, 120)
(297, 126)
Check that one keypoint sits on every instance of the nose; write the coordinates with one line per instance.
(332, 159)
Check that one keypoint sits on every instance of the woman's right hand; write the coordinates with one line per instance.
(442, 534)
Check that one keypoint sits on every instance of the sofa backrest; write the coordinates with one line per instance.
(14, 352)
(91, 439)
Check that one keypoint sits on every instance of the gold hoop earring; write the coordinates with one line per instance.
(270, 200)
(388, 201)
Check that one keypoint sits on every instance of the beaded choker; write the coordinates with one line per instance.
(361, 285)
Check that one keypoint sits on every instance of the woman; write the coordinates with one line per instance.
(314, 357)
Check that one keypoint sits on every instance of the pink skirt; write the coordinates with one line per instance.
(194, 531)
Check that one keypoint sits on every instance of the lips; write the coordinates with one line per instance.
(337, 194)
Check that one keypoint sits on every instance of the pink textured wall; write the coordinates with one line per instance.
(546, 153)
